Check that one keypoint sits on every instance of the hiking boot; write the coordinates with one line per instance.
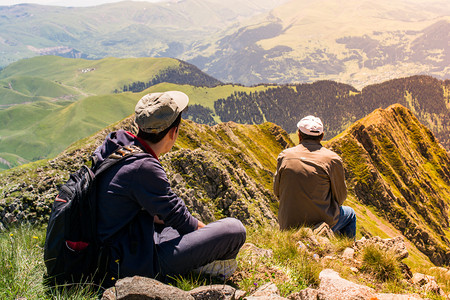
(218, 268)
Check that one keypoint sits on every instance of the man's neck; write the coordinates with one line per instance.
(309, 141)
(157, 148)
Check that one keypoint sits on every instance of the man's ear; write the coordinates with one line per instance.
(173, 132)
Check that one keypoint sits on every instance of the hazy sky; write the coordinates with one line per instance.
(65, 2)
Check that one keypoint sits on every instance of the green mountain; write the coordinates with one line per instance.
(396, 167)
(397, 173)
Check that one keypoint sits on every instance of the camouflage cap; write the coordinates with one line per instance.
(157, 111)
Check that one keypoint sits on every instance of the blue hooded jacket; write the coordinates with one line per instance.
(129, 195)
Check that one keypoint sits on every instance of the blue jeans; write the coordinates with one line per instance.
(347, 222)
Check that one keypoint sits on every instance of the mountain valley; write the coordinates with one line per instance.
(247, 42)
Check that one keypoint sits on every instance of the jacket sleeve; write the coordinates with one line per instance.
(152, 191)
(277, 176)
(337, 177)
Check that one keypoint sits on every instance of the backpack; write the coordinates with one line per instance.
(72, 252)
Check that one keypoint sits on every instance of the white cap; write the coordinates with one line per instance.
(310, 125)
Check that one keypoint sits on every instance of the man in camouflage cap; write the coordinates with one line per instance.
(149, 227)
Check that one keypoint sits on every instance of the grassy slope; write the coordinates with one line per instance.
(17, 90)
(108, 74)
(49, 129)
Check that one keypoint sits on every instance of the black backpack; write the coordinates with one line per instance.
(72, 252)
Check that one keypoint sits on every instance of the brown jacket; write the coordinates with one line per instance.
(310, 185)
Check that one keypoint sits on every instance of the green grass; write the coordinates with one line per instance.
(16, 90)
(384, 265)
(291, 269)
(107, 74)
(22, 268)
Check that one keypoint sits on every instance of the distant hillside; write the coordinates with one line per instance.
(248, 42)
(396, 166)
(123, 29)
(357, 42)
(339, 105)
(95, 77)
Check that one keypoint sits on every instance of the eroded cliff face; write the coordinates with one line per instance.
(396, 165)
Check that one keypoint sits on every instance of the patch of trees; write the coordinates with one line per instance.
(339, 105)
(200, 114)
(286, 105)
(184, 73)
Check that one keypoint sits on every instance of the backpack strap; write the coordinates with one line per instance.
(118, 155)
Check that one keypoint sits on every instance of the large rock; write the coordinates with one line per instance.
(337, 288)
(333, 287)
(397, 245)
(144, 288)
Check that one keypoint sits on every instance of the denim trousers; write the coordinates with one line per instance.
(179, 254)
(347, 222)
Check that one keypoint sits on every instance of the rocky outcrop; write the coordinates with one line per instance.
(396, 244)
(212, 187)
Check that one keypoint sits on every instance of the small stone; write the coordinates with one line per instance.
(266, 290)
(307, 294)
(348, 254)
(323, 229)
(213, 292)
(147, 288)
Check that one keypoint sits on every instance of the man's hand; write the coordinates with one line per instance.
(157, 220)
(200, 225)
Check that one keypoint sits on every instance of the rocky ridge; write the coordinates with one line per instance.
(395, 164)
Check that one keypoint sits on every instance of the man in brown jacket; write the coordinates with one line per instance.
(310, 183)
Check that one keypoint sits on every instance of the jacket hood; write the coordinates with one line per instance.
(112, 142)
